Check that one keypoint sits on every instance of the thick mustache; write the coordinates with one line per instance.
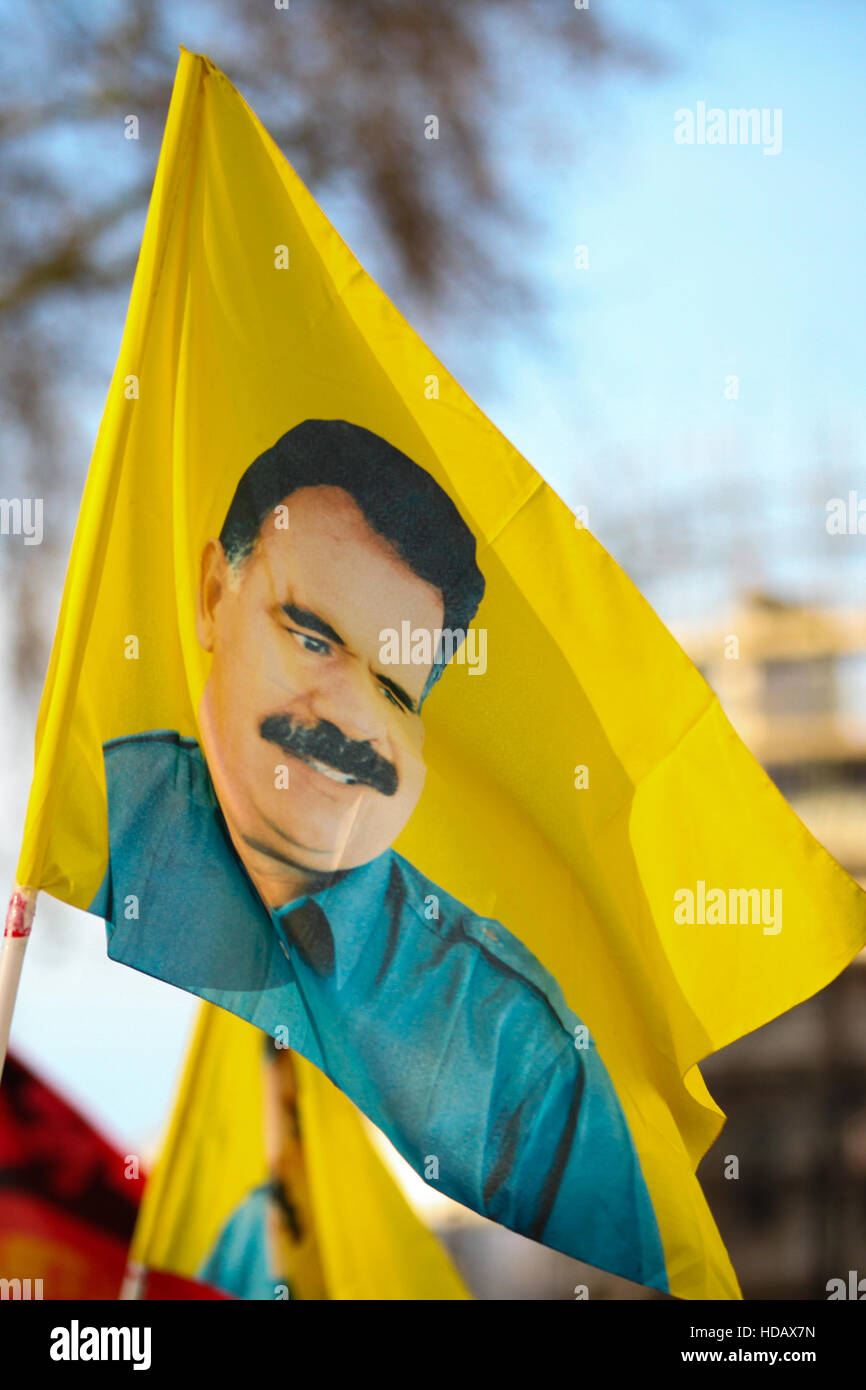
(326, 744)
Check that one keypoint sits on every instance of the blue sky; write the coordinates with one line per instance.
(707, 261)
(704, 261)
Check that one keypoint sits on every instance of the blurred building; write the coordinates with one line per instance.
(795, 1091)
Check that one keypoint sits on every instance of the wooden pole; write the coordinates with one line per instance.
(19, 919)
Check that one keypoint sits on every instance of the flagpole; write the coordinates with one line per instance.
(19, 919)
(134, 1281)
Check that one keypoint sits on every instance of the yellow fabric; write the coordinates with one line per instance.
(371, 1243)
(229, 353)
(214, 1149)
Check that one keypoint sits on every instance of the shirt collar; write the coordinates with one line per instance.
(354, 907)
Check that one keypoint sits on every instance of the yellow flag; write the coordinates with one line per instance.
(510, 944)
(350, 1233)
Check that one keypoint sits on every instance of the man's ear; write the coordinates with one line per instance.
(213, 582)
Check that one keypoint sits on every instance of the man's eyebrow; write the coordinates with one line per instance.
(304, 618)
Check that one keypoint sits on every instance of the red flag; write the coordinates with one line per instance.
(67, 1209)
(161, 1286)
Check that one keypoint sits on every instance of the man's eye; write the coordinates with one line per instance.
(389, 695)
(310, 644)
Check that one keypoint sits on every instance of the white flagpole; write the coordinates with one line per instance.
(19, 919)
(134, 1281)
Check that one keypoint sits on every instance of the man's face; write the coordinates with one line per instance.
(297, 682)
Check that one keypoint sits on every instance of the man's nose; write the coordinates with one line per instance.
(354, 703)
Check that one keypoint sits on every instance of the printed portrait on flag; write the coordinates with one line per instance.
(267, 1248)
(255, 866)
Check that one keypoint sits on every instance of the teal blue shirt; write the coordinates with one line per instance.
(439, 1024)
(239, 1261)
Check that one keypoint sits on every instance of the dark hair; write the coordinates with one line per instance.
(399, 500)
